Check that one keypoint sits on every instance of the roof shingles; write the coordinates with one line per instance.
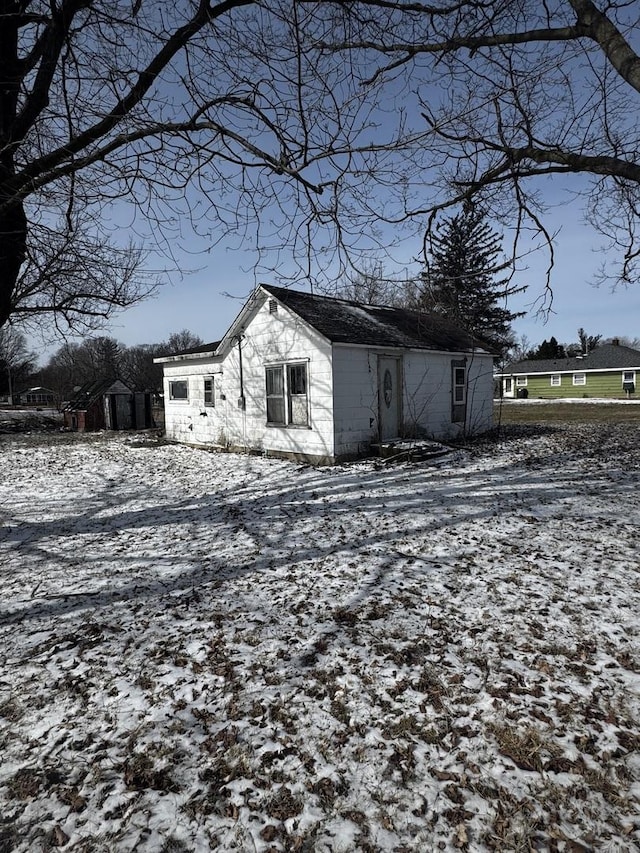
(345, 321)
(606, 356)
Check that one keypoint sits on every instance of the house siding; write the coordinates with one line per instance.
(426, 395)
(606, 384)
(268, 339)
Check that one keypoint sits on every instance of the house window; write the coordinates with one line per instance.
(521, 381)
(459, 385)
(209, 399)
(508, 386)
(579, 378)
(628, 376)
(287, 397)
(179, 390)
(556, 380)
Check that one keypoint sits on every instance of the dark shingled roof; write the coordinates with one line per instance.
(211, 347)
(344, 321)
(603, 357)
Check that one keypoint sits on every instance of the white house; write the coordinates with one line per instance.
(321, 379)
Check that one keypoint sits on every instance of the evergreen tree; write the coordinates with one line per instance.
(462, 278)
(548, 349)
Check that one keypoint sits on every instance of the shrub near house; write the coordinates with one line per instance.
(609, 371)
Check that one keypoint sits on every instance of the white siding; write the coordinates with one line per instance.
(427, 395)
(355, 399)
(269, 338)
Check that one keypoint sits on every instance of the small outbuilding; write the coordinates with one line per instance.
(322, 379)
(107, 404)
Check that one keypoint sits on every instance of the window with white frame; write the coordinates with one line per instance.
(628, 376)
(459, 385)
(209, 398)
(508, 385)
(556, 380)
(579, 378)
(521, 381)
(287, 395)
(178, 389)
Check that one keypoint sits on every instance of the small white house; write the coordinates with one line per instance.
(321, 379)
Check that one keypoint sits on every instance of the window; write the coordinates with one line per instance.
(275, 395)
(579, 378)
(556, 380)
(628, 376)
(287, 398)
(209, 399)
(508, 386)
(521, 381)
(179, 390)
(459, 385)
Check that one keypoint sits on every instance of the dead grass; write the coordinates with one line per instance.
(513, 412)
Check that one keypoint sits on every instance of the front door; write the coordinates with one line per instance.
(389, 396)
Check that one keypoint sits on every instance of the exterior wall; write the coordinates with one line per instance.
(607, 384)
(427, 396)
(268, 339)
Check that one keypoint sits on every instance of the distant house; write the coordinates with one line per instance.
(609, 371)
(107, 404)
(322, 379)
(37, 396)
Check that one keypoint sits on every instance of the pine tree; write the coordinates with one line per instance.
(461, 281)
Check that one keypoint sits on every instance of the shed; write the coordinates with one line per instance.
(322, 379)
(101, 404)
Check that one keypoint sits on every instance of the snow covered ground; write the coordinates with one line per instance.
(203, 651)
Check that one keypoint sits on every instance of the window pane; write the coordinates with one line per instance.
(275, 395)
(459, 374)
(275, 381)
(208, 392)
(178, 390)
(275, 410)
(297, 380)
(459, 394)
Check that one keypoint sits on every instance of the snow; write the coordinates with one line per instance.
(207, 651)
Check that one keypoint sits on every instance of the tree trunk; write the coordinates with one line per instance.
(13, 221)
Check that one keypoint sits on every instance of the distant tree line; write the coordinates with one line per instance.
(75, 364)
(523, 349)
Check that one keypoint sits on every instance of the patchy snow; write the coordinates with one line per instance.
(203, 651)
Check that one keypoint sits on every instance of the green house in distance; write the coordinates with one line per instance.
(610, 371)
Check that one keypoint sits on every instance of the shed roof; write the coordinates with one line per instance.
(91, 391)
(604, 357)
(346, 321)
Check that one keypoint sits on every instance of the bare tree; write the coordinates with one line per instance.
(510, 92)
(192, 114)
(183, 340)
(295, 127)
(17, 362)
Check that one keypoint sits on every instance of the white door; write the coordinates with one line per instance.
(389, 397)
